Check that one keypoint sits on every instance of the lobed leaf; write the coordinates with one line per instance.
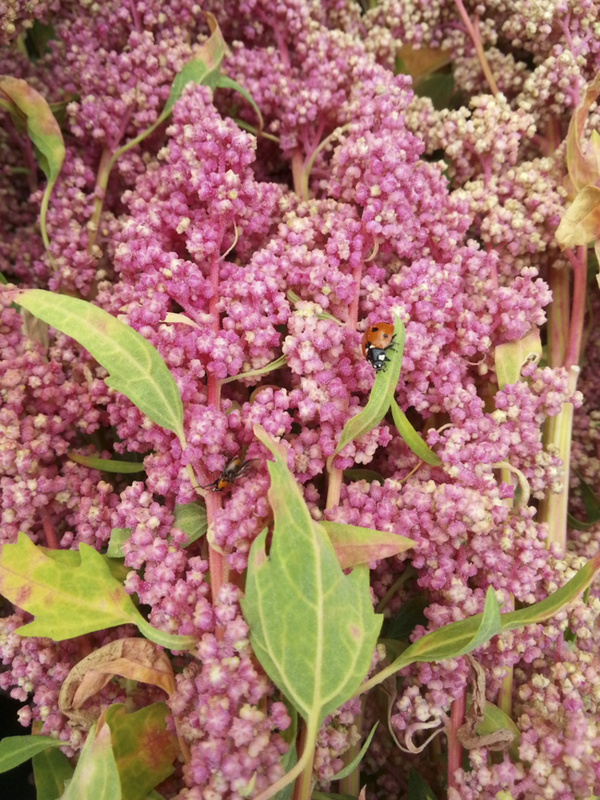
(15, 750)
(136, 369)
(312, 628)
(107, 464)
(30, 112)
(510, 357)
(69, 599)
(412, 438)
(51, 770)
(354, 545)
(580, 223)
(382, 393)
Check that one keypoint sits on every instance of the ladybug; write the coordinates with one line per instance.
(231, 472)
(377, 339)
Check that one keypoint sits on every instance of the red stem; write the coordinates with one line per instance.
(51, 540)
(473, 31)
(457, 715)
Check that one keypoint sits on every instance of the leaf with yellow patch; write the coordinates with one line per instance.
(581, 221)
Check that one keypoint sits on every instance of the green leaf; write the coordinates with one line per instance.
(96, 776)
(408, 616)
(69, 600)
(457, 638)
(31, 113)
(289, 759)
(135, 367)
(591, 505)
(359, 757)
(494, 719)
(107, 464)
(417, 788)
(412, 438)
(204, 69)
(539, 612)
(143, 748)
(191, 519)
(368, 475)
(510, 357)
(438, 87)
(382, 393)
(118, 537)
(51, 769)
(331, 796)
(311, 627)
(354, 545)
(15, 750)
(257, 373)
(223, 82)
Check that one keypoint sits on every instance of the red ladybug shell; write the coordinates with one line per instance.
(378, 336)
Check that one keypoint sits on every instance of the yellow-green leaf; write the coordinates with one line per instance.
(107, 464)
(580, 223)
(354, 545)
(382, 393)
(510, 357)
(31, 113)
(136, 369)
(412, 438)
(51, 770)
(96, 776)
(69, 600)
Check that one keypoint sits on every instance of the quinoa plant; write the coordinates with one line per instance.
(250, 548)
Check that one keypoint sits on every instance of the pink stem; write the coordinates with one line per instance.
(473, 31)
(457, 715)
(51, 540)
(579, 265)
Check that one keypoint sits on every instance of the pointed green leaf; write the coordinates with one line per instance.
(107, 464)
(257, 373)
(454, 640)
(510, 357)
(118, 537)
(539, 612)
(15, 750)
(51, 769)
(354, 545)
(343, 773)
(412, 438)
(459, 638)
(30, 112)
(96, 776)
(312, 628)
(143, 748)
(68, 600)
(417, 788)
(191, 519)
(223, 82)
(203, 69)
(135, 367)
(382, 393)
